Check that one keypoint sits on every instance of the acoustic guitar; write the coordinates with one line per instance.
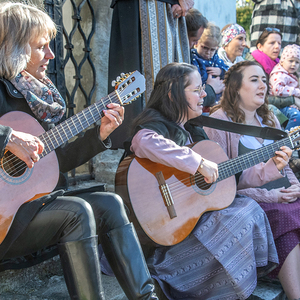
(165, 204)
(18, 183)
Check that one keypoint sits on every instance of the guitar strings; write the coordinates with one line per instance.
(13, 165)
(18, 167)
(226, 167)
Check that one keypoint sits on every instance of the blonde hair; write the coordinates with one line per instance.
(212, 31)
(19, 25)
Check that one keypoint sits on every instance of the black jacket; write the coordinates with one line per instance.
(70, 156)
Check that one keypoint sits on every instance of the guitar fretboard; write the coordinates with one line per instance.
(247, 160)
(61, 133)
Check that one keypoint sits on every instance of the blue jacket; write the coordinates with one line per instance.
(202, 63)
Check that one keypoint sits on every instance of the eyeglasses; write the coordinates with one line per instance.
(206, 49)
(272, 29)
(198, 90)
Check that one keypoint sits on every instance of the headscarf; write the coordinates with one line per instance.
(230, 33)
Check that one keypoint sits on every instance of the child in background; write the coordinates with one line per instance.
(205, 56)
(284, 82)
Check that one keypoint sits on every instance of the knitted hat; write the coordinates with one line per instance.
(290, 51)
(230, 33)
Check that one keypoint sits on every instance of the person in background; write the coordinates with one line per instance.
(244, 101)
(267, 52)
(284, 82)
(196, 24)
(131, 39)
(233, 44)
(70, 224)
(268, 49)
(281, 14)
(211, 261)
(205, 56)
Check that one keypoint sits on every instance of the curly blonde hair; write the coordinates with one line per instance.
(19, 25)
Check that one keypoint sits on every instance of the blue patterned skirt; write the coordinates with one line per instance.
(222, 258)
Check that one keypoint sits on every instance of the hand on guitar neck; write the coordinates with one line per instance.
(282, 157)
(113, 117)
(25, 146)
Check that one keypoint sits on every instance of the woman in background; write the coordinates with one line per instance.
(244, 101)
(222, 257)
(233, 44)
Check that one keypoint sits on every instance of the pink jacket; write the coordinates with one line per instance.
(251, 177)
(282, 83)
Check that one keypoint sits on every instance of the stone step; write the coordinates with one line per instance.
(45, 281)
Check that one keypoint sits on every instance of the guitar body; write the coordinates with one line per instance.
(19, 184)
(22, 186)
(137, 184)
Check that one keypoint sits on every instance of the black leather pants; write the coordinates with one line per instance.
(68, 219)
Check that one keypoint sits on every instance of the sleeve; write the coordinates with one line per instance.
(218, 62)
(281, 102)
(79, 151)
(260, 195)
(280, 87)
(148, 144)
(210, 99)
(5, 134)
(263, 195)
(194, 60)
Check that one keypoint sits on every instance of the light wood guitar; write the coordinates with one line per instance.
(18, 183)
(165, 204)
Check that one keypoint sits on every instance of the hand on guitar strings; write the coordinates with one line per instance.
(282, 157)
(113, 117)
(209, 170)
(287, 195)
(25, 146)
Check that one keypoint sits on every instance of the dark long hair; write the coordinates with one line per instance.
(168, 96)
(231, 98)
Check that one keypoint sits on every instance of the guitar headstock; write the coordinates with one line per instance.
(294, 134)
(129, 86)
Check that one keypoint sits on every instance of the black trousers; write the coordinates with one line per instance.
(70, 218)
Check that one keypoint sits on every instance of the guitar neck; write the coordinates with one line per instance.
(233, 166)
(61, 133)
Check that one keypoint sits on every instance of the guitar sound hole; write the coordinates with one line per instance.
(201, 183)
(12, 165)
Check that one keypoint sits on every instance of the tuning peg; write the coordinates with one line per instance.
(113, 83)
(118, 79)
(122, 75)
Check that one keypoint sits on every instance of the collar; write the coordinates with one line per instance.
(11, 90)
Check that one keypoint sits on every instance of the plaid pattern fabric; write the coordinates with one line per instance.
(275, 13)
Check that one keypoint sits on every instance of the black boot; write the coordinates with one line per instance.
(124, 254)
(81, 269)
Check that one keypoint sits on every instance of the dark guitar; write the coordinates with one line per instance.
(19, 184)
(165, 204)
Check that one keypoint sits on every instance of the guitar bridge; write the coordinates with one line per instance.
(166, 194)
